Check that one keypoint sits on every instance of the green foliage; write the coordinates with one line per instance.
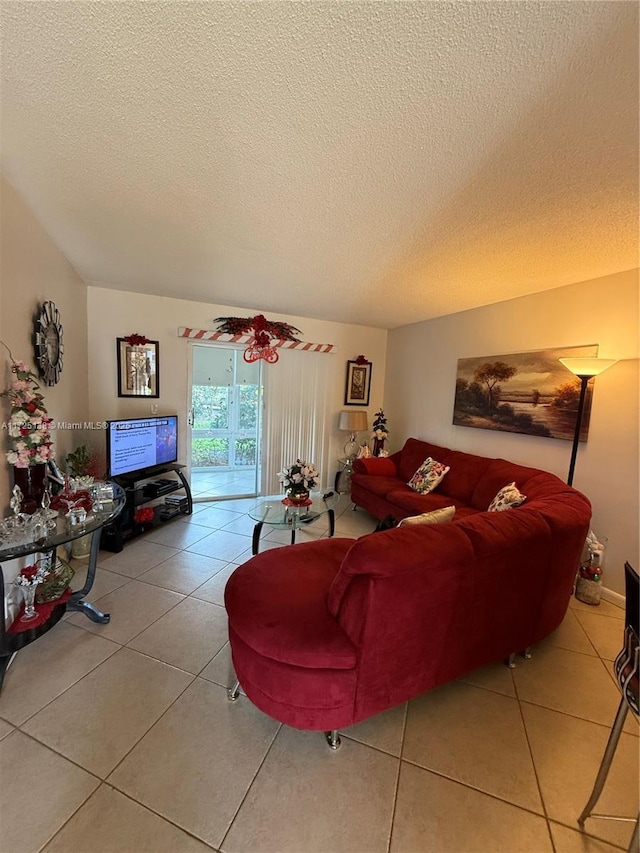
(79, 461)
(209, 452)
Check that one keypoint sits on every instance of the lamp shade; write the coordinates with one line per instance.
(352, 421)
(587, 366)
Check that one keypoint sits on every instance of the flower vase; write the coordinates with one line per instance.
(32, 483)
(29, 593)
(297, 495)
(378, 446)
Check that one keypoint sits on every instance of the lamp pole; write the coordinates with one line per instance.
(584, 369)
(576, 436)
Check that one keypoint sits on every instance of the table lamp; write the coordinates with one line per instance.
(585, 369)
(352, 422)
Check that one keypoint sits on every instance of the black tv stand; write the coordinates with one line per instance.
(145, 487)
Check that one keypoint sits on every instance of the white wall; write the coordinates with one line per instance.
(33, 270)
(421, 374)
(113, 314)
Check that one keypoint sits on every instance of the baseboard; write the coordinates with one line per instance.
(613, 597)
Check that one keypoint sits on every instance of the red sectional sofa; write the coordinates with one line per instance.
(328, 633)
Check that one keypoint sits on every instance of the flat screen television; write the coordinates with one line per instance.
(137, 444)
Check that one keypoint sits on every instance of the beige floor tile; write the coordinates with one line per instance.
(176, 535)
(40, 791)
(109, 822)
(605, 608)
(567, 754)
(241, 524)
(436, 814)
(476, 737)
(383, 731)
(283, 537)
(265, 545)
(184, 572)
(570, 635)
(221, 545)
(496, 677)
(567, 840)
(352, 524)
(97, 721)
(215, 517)
(133, 608)
(137, 557)
(606, 634)
(46, 668)
(5, 729)
(213, 589)
(188, 636)
(196, 764)
(103, 583)
(567, 681)
(220, 670)
(344, 804)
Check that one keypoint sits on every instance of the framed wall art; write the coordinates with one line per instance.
(525, 392)
(358, 386)
(138, 368)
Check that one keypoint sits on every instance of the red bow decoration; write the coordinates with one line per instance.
(362, 360)
(264, 331)
(136, 340)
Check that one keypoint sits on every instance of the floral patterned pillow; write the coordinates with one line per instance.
(427, 477)
(508, 497)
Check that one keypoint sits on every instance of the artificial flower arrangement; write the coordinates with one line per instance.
(31, 576)
(380, 430)
(29, 423)
(380, 433)
(301, 475)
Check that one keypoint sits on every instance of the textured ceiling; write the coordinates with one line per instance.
(378, 163)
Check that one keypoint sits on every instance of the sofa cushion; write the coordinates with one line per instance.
(466, 470)
(428, 476)
(376, 485)
(282, 614)
(414, 453)
(500, 472)
(436, 516)
(379, 466)
(508, 497)
(414, 503)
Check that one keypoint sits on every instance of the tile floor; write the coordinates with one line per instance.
(120, 739)
(211, 483)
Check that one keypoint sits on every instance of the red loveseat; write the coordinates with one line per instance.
(328, 633)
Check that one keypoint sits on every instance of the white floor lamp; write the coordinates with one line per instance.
(585, 369)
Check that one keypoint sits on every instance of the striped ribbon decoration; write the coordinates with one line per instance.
(207, 335)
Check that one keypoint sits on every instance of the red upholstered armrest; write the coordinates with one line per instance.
(379, 467)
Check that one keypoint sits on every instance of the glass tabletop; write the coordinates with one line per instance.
(270, 510)
(63, 532)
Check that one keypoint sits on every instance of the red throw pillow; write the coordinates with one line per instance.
(375, 465)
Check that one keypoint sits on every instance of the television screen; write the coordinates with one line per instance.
(138, 443)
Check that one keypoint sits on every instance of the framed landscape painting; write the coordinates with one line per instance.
(525, 392)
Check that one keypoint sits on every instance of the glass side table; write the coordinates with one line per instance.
(342, 483)
(272, 511)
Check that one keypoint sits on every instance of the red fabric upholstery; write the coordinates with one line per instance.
(381, 467)
(328, 633)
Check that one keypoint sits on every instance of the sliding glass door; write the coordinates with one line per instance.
(226, 405)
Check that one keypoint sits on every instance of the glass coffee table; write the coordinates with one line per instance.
(270, 510)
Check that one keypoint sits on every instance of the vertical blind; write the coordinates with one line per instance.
(296, 394)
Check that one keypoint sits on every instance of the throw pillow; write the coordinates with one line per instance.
(428, 476)
(508, 497)
(436, 516)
